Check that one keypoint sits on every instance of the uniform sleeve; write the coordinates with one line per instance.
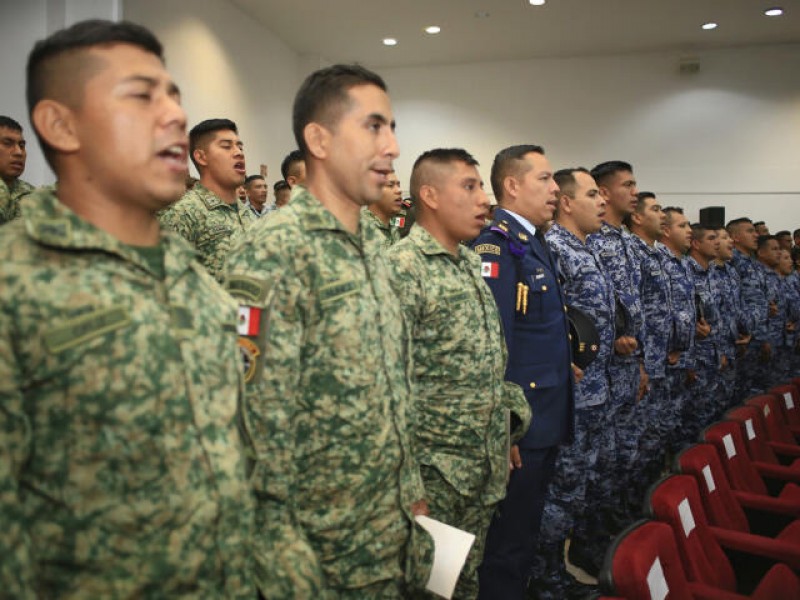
(407, 287)
(285, 564)
(182, 220)
(754, 300)
(499, 272)
(16, 569)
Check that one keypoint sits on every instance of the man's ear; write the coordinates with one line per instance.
(318, 140)
(55, 123)
(429, 196)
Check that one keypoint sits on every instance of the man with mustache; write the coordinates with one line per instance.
(13, 153)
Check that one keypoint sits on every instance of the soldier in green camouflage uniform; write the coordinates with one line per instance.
(461, 400)
(327, 365)
(382, 214)
(212, 220)
(122, 471)
(13, 154)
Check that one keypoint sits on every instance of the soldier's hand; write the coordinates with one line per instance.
(723, 363)
(773, 309)
(672, 357)
(790, 326)
(577, 372)
(766, 352)
(743, 340)
(514, 459)
(644, 380)
(420, 507)
(625, 345)
(703, 329)
(691, 377)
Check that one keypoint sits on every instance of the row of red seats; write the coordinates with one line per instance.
(727, 526)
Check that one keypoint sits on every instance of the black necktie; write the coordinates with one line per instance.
(543, 242)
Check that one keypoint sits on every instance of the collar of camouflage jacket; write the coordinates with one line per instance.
(51, 223)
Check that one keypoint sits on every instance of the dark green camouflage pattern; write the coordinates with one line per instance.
(326, 409)
(123, 473)
(10, 197)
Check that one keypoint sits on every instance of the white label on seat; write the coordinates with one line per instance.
(709, 479)
(748, 425)
(787, 398)
(727, 440)
(687, 519)
(766, 410)
(657, 582)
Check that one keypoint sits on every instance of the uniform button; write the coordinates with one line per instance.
(533, 384)
(544, 288)
(565, 308)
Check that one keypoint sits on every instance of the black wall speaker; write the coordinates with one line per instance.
(713, 216)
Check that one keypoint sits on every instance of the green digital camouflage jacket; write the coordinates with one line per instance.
(462, 404)
(327, 391)
(122, 471)
(10, 197)
(210, 224)
(390, 233)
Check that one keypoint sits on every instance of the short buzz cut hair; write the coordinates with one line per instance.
(733, 224)
(604, 171)
(699, 231)
(324, 96)
(669, 213)
(58, 66)
(288, 163)
(565, 179)
(9, 123)
(201, 133)
(251, 178)
(280, 185)
(782, 233)
(510, 162)
(438, 156)
(763, 240)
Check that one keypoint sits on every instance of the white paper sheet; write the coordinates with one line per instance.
(751, 433)
(730, 449)
(687, 518)
(709, 479)
(787, 398)
(657, 582)
(451, 547)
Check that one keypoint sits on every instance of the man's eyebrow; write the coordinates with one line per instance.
(382, 120)
(172, 87)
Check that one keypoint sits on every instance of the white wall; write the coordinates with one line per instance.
(228, 66)
(729, 135)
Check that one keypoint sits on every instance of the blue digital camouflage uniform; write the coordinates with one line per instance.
(582, 489)
(750, 373)
(791, 305)
(327, 376)
(522, 275)
(682, 322)
(726, 281)
(707, 352)
(613, 247)
(461, 399)
(792, 283)
(656, 409)
(122, 464)
(776, 324)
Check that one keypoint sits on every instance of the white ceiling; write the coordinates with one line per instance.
(352, 30)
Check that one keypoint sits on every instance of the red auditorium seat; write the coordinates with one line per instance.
(758, 444)
(745, 474)
(775, 420)
(643, 564)
(709, 553)
(733, 509)
(789, 395)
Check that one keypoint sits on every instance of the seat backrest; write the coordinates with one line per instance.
(790, 401)
(774, 418)
(643, 564)
(755, 433)
(722, 508)
(675, 500)
(726, 437)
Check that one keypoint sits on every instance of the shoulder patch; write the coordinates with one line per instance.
(487, 249)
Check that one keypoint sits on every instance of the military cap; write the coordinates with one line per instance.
(583, 336)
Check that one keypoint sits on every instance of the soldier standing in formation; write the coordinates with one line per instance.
(122, 470)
